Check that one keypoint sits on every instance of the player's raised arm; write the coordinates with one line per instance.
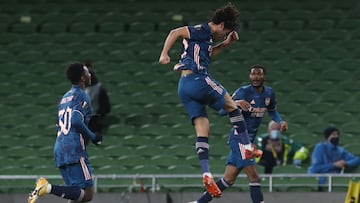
(173, 35)
(231, 38)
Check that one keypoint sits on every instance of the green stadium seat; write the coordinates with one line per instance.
(17, 47)
(36, 38)
(289, 44)
(111, 27)
(330, 14)
(85, 17)
(299, 14)
(53, 27)
(302, 75)
(55, 17)
(329, 96)
(6, 56)
(23, 28)
(272, 54)
(335, 35)
(336, 118)
(114, 17)
(350, 44)
(8, 38)
(29, 56)
(140, 27)
(305, 35)
(82, 27)
(65, 38)
(268, 15)
(334, 53)
(261, 25)
(319, 44)
(291, 25)
(348, 24)
(47, 47)
(95, 38)
(321, 24)
(303, 54)
(90, 55)
(59, 56)
(247, 36)
(273, 35)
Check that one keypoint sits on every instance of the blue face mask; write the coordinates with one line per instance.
(275, 134)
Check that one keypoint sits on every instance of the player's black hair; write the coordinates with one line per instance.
(329, 130)
(74, 72)
(259, 66)
(227, 14)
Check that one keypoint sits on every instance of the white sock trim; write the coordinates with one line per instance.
(48, 188)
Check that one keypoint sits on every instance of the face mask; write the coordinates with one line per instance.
(275, 134)
(334, 141)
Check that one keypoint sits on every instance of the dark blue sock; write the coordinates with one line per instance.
(67, 192)
(202, 150)
(239, 126)
(255, 193)
(206, 197)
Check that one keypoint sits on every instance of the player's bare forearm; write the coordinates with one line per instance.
(182, 32)
(231, 38)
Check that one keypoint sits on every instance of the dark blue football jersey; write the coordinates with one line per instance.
(70, 144)
(196, 50)
(260, 103)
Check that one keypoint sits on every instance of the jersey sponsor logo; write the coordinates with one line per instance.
(257, 112)
(66, 99)
(267, 101)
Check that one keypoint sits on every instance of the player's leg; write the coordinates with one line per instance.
(78, 180)
(254, 184)
(231, 172)
(239, 129)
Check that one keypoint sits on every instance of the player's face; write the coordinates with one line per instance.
(221, 33)
(257, 77)
(87, 76)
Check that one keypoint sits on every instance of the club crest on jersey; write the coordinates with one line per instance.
(84, 104)
(267, 101)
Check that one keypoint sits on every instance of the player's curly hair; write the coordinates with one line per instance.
(74, 72)
(227, 14)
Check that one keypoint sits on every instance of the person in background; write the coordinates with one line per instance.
(100, 102)
(279, 150)
(329, 157)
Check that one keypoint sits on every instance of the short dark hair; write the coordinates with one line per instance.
(329, 130)
(74, 72)
(227, 14)
(259, 66)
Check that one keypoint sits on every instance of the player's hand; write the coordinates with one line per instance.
(340, 164)
(244, 105)
(98, 139)
(283, 126)
(232, 37)
(164, 59)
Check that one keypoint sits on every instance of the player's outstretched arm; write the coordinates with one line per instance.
(231, 38)
(174, 34)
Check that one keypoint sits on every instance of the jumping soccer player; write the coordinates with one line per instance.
(254, 99)
(73, 135)
(197, 89)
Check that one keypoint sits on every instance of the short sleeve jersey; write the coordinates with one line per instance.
(260, 102)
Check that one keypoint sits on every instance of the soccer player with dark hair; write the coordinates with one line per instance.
(73, 135)
(254, 100)
(197, 89)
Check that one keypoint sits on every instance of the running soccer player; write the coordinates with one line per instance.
(197, 89)
(73, 135)
(254, 99)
